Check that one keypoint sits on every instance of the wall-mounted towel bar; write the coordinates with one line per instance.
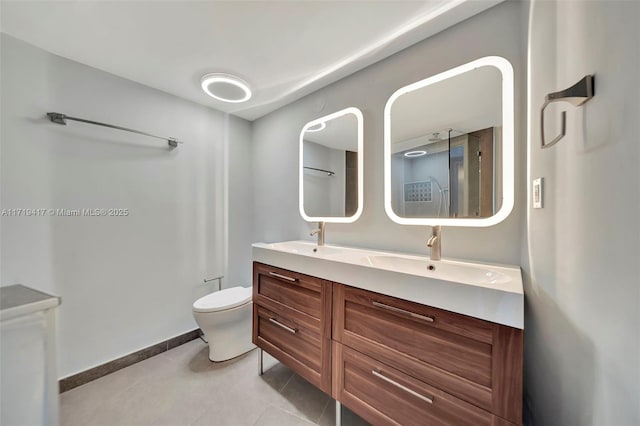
(576, 95)
(328, 172)
(60, 118)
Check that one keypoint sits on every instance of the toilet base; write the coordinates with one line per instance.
(228, 333)
(225, 355)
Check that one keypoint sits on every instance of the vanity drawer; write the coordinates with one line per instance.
(430, 335)
(473, 360)
(282, 331)
(288, 288)
(303, 349)
(386, 396)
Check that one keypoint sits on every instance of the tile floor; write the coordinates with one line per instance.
(182, 387)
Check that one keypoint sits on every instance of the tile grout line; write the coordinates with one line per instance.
(285, 385)
(264, 410)
(324, 409)
(294, 414)
(297, 414)
(293, 374)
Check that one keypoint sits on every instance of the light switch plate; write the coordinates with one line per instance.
(537, 193)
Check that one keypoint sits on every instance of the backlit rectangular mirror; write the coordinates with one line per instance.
(331, 167)
(449, 148)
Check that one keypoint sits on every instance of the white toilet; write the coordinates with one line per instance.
(225, 318)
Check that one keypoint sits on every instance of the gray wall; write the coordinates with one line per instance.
(498, 31)
(582, 342)
(239, 203)
(125, 282)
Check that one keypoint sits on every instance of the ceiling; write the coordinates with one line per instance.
(283, 49)
(340, 133)
(466, 102)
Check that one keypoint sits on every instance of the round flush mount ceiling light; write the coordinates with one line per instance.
(413, 154)
(317, 127)
(225, 88)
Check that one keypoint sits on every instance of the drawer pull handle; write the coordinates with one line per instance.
(403, 312)
(404, 388)
(279, 324)
(284, 277)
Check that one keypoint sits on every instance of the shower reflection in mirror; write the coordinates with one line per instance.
(450, 175)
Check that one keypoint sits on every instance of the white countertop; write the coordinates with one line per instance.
(486, 291)
(17, 300)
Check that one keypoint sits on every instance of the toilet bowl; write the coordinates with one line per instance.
(225, 318)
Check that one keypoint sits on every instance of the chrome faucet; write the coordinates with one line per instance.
(435, 242)
(320, 231)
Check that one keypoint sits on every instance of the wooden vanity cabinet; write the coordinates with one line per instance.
(292, 321)
(469, 369)
(389, 360)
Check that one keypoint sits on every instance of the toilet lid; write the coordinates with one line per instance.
(223, 299)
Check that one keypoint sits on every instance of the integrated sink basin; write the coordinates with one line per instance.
(306, 248)
(445, 270)
(485, 291)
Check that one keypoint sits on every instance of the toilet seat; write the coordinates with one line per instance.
(223, 300)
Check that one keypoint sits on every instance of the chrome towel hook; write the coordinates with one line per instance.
(576, 95)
